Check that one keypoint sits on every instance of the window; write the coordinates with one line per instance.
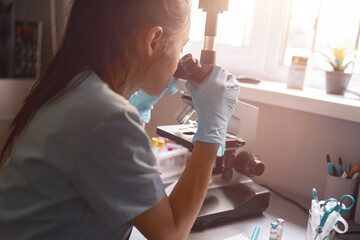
(299, 33)
(234, 26)
(259, 37)
(316, 25)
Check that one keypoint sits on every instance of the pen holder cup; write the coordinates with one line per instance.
(357, 209)
(336, 187)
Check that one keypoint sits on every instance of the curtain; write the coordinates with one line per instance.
(59, 11)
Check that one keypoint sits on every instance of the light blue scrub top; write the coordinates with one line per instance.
(81, 169)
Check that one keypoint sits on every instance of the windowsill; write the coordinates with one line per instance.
(311, 100)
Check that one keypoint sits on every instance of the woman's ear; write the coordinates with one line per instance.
(153, 40)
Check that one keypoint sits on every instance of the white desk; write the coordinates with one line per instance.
(294, 226)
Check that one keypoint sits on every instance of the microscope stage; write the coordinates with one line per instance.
(183, 135)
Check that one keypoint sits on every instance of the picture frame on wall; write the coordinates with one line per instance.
(27, 49)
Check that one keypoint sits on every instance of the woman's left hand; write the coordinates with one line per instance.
(144, 103)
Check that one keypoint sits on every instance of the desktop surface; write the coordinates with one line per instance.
(294, 226)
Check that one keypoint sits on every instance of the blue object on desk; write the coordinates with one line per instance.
(327, 211)
(314, 193)
(343, 209)
(255, 233)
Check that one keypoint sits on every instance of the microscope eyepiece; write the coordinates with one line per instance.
(189, 68)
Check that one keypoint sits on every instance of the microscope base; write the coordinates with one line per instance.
(223, 203)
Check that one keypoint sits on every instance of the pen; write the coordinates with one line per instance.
(354, 169)
(338, 172)
(341, 165)
(348, 168)
(334, 169)
(328, 163)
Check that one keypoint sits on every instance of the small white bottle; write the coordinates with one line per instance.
(280, 227)
(273, 231)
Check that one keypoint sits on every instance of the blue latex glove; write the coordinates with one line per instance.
(144, 103)
(214, 99)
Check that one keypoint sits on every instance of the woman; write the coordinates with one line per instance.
(77, 163)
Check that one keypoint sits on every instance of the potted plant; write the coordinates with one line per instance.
(339, 60)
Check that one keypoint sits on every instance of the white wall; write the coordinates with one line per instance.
(294, 144)
(164, 113)
(12, 93)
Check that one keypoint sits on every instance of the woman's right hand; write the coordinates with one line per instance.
(214, 99)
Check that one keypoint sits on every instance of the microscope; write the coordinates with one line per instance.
(231, 194)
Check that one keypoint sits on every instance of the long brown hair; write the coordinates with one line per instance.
(97, 36)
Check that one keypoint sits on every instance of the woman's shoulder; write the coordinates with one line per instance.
(93, 98)
(95, 93)
(87, 104)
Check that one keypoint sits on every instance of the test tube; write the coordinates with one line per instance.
(161, 145)
(154, 144)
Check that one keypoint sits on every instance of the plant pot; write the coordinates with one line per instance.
(337, 82)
